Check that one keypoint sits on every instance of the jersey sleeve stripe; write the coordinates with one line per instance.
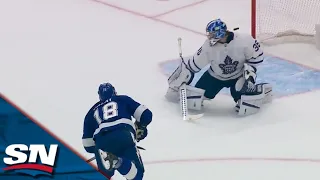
(195, 64)
(190, 66)
(255, 57)
(255, 62)
(138, 112)
(88, 142)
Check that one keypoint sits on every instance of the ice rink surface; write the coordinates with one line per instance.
(54, 54)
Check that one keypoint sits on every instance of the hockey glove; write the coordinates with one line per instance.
(180, 76)
(250, 79)
(141, 131)
(250, 73)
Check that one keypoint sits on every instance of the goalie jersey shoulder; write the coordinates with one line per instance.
(200, 58)
(253, 51)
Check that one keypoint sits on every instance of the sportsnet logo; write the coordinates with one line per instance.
(25, 159)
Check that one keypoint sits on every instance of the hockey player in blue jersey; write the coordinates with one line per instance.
(111, 134)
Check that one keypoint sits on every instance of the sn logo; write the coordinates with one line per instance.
(23, 157)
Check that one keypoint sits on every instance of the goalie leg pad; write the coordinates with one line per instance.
(184, 102)
(268, 93)
(172, 95)
(194, 97)
(251, 103)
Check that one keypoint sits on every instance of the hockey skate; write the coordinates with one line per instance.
(237, 107)
(110, 160)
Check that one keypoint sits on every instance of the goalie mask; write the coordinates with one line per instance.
(216, 30)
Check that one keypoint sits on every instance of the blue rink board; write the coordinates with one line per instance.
(286, 77)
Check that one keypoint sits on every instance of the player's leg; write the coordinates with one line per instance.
(100, 162)
(105, 142)
(211, 85)
(234, 90)
(133, 155)
(112, 147)
(249, 96)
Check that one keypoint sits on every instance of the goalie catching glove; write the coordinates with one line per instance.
(141, 131)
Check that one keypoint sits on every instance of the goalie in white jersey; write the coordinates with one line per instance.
(233, 59)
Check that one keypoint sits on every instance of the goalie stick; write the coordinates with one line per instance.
(183, 94)
(93, 158)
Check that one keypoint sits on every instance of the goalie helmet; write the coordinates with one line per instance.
(216, 30)
(106, 91)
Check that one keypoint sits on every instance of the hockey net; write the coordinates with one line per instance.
(285, 21)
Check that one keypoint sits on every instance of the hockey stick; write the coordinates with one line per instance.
(183, 94)
(93, 158)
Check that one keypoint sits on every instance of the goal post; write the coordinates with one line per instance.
(284, 21)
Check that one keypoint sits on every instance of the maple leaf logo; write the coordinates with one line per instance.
(229, 66)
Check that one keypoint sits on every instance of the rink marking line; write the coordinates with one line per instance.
(120, 8)
(135, 13)
(229, 159)
(301, 93)
(297, 63)
(146, 16)
(179, 8)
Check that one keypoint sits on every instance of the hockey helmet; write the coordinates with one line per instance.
(216, 30)
(106, 91)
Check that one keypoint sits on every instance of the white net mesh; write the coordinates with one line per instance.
(280, 21)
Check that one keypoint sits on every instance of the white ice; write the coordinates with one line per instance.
(54, 54)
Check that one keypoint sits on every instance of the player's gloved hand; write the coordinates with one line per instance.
(180, 76)
(250, 79)
(250, 73)
(141, 131)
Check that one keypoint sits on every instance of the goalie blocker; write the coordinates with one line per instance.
(178, 81)
(249, 103)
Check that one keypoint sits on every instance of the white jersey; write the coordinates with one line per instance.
(227, 59)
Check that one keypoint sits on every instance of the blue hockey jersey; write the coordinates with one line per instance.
(111, 114)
